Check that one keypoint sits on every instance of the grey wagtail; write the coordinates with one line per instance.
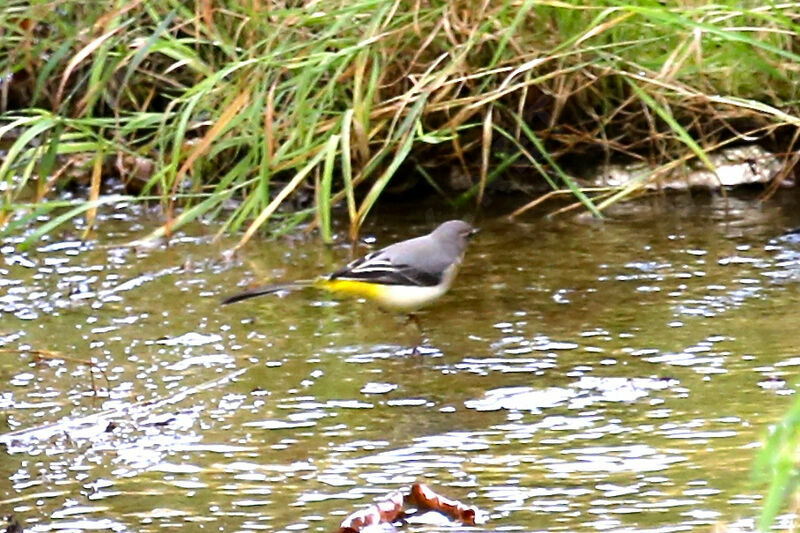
(404, 276)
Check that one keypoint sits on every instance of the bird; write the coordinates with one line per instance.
(404, 276)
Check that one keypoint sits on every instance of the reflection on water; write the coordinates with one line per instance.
(581, 375)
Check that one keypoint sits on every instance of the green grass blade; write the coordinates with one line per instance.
(324, 195)
(82, 207)
(679, 131)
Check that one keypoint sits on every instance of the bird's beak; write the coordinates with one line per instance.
(472, 232)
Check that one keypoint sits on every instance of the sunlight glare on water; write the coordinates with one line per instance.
(580, 375)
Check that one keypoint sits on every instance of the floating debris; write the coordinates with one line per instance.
(394, 507)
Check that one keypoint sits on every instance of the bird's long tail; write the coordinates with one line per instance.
(267, 289)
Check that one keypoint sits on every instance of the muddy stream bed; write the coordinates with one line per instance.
(580, 376)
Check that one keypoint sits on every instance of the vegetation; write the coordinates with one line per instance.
(778, 463)
(253, 112)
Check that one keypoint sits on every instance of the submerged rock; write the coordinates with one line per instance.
(741, 165)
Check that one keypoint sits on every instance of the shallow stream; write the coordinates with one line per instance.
(581, 375)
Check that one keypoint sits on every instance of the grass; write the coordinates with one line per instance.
(777, 463)
(287, 109)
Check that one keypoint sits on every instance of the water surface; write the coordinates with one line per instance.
(580, 376)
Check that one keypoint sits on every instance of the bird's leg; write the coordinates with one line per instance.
(421, 338)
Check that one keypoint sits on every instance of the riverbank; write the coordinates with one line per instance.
(264, 115)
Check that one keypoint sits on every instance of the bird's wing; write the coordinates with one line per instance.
(378, 267)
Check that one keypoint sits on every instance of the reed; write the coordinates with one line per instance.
(261, 114)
